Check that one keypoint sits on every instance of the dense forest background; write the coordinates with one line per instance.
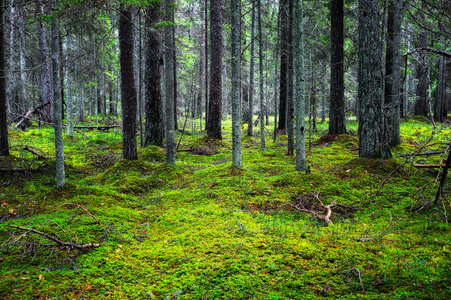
(209, 149)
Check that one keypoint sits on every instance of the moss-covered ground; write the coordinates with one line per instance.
(204, 230)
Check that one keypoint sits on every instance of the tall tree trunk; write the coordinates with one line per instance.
(301, 164)
(128, 89)
(323, 95)
(337, 119)
(10, 75)
(440, 93)
(70, 120)
(260, 60)
(251, 76)
(290, 78)
(60, 174)
(45, 69)
(396, 98)
(23, 60)
(169, 84)
(283, 64)
(236, 70)
(373, 132)
(206, 63)
(154, 105)
(174, 54)
(215, 102)
(421, 108)
(4, 146)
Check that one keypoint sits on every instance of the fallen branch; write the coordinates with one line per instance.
(420, 154)
(57, 241)
(306, 205)
(428, 166)
(101, 128)
(27, 148)
(12, 171)
(87, 212)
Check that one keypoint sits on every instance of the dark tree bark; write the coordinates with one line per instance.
(420, 107)
(290, 78)
(337, 103)
(169, 83)
(389, 52)
(283, 64)
(4, 147)
(128, 94)
(154, 106)
(174, 62)
(373, 131)
(440, 93)
(215, 102)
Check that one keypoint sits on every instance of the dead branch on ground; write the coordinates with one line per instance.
(87, 212)
(320, 211)
(59, 243)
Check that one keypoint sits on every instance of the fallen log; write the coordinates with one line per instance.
(101, 128)
(41, 110)
(20, 171)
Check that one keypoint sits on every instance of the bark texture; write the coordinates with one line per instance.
(169, 83)
(283, 64)
(251, 77)
(215, 102)
(4, 146)
(236, 70)
(420, 108)
(128, 94)
(45, 69)
(300, 103)
(57, 101)
(337, 104)
(441, 90)
(396, 97)
(153, 105)
(290, 78)
(373, 133)
(260, 60)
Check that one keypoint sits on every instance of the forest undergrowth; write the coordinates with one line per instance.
(204, 230)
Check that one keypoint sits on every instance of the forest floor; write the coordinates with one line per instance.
(204, 230)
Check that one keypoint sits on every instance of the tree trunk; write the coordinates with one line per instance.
(154, 105)
(260, 60)
(174, 61)
(300, 102)
(290, 77)
(283, 64)
(215, 101)
(23, 60)
(70, 120)
(337, 119)
(57, 101)
(169, 84)
(323, 95)
(251, 76)
(373, 132)
(45, 69)
(421, 108)
(396, 98)
(236, 105)
(440, 93)
(128, 89)
(4, 146)
(206, 63)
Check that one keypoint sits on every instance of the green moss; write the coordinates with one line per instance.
(204, 229)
